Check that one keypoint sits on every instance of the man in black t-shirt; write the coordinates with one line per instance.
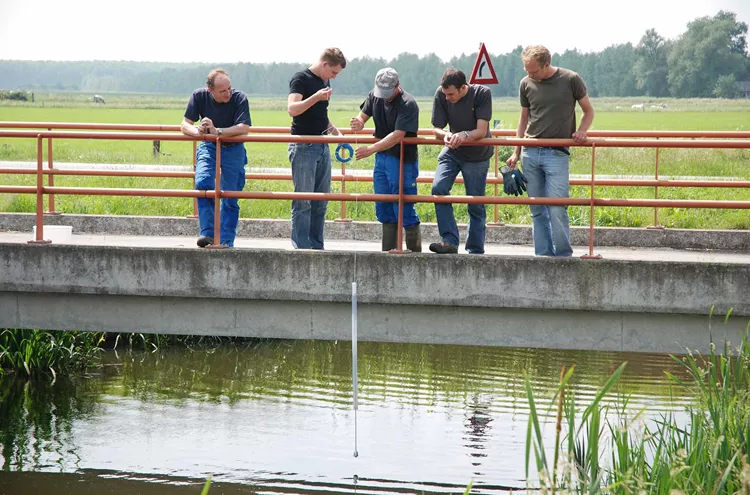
(396, 115)
(225, 112)
(467, 110)
(309, 93)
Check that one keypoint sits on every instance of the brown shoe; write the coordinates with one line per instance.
(443, 248)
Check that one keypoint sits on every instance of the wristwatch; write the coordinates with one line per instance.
(466, 134)
(218, 132)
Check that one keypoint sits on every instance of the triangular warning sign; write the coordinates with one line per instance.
(483, 72)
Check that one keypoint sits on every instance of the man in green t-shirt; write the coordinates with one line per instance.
(548, 103)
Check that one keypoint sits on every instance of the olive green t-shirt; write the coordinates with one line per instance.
(552, 104)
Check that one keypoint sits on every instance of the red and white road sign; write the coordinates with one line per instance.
(483, 72)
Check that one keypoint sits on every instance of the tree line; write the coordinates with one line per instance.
(708, 60)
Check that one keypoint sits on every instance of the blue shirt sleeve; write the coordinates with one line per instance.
(193, 110)
(242, 110)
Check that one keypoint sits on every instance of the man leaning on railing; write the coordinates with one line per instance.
(224, 112)
(548, 110)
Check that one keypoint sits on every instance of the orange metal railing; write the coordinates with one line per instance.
(701, 139)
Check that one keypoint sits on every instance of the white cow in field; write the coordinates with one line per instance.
(639, 106)
(97, 99)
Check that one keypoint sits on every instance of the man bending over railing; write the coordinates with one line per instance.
(225, 112)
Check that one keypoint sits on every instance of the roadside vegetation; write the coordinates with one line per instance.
(601, 449)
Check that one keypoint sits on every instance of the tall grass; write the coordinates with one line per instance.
(605, 451)
(39, 352)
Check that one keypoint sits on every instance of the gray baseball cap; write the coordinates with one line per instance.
(385, 83)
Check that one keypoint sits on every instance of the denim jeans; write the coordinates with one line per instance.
(449, 165)
(385, 179)
(311, 172)
(233, 160)
(547, 173)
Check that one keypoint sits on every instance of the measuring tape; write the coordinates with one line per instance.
(349, 152)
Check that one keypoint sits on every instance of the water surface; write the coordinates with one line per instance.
(277, 417)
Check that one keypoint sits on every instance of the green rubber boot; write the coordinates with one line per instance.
(414, 239)
(390, 234)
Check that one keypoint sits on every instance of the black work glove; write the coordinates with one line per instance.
(520, 180)
(510, 186)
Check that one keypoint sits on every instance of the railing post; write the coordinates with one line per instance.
(497, 222)
(656, 194)
(399, 236)
(591, 254)
(217, 201)
(195, 200)
(51, 178)
(39, 195)
(342, 217)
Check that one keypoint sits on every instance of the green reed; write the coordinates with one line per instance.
(607, 450)
(40, 352)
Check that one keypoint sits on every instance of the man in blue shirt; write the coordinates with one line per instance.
(221, 111)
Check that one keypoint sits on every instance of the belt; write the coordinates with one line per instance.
(229, 145)
(557, 148)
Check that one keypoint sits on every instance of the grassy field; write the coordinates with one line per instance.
(612, 114)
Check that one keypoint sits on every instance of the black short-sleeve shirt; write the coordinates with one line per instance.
(463, 116)
(314, 120)
(401, 114)
(235, 111)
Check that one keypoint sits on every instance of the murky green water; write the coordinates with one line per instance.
(276, 417)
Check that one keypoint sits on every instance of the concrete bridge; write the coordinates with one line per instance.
(115, 275)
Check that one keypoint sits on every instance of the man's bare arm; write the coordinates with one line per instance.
(295, 105)
(188, 128)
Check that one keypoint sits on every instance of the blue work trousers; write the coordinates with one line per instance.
(547, 173)
(233, 161)
(450, 163)
(311, 172)
(385, 181)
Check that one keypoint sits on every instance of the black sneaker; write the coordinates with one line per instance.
(443, 248)
(204, 241)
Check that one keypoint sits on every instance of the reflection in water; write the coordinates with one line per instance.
(477, 426)
(276, 417)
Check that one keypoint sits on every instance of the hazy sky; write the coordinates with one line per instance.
(295, 31)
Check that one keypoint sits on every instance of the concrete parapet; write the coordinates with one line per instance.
(483, 300)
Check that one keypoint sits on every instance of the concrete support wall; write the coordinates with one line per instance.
(525, 301)
(587, 330)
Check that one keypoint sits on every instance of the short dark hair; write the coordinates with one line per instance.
(211, 79)
(334, 57)
(453, 77)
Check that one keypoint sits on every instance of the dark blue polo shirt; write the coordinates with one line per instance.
(235, 111)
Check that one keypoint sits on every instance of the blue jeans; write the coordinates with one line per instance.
(449, 165)
(385, 179)
(233, 160)
(311, 172)
(547, 173)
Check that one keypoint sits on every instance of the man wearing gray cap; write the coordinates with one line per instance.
(396, 115)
